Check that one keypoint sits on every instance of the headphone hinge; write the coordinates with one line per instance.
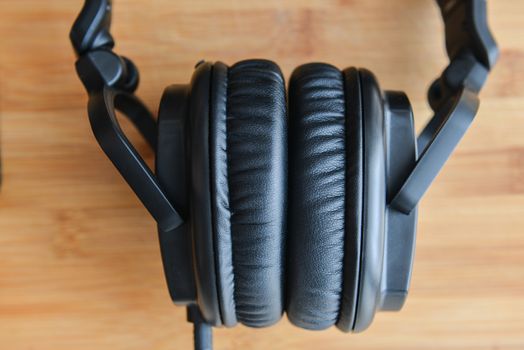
(435, 144)
(471, 48)
(91, 30)
(463, 72)
(466, 28)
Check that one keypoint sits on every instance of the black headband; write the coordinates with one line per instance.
(111, 80)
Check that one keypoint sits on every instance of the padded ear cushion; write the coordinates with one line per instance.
(317, 199)
(248, 182)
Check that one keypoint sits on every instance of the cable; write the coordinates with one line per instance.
(203, 336)
(202, 332)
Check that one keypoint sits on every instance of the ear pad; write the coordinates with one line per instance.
(325, 199)
(248, 157)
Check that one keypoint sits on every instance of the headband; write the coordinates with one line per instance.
(111, 80)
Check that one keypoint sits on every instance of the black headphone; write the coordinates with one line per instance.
(268, 202)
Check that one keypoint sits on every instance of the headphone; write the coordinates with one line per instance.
(269, 201)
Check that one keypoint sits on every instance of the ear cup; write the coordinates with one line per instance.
(248, 157)
(325, 208)
(336, 195)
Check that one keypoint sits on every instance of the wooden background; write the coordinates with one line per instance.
(79, 258)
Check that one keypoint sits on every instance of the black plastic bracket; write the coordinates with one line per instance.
(171, 171)
(91, 30)
(454, 96)
(120, 151)
(467, 28)
(442, 143)
(470, 46)
(103, 67)
(97, 65)
(110, 81)
(400, 232)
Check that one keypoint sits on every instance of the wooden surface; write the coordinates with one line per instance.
(79, 258)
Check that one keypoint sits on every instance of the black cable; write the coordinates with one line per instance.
(202, 332)
(203, 336)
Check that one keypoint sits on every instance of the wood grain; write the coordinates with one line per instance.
(79, 259)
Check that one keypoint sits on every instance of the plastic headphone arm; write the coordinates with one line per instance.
(120, 151)
(439, 140)
(471, 49)
(454, 96)
(97, 64)
(91, 28)
(466, 27)
(110, 81)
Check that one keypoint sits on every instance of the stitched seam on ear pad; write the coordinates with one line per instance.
(317, 196)
(256, 148)
(220, 212)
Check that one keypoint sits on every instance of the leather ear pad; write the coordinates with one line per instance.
(316, 198)
(248, 157)
(325, 198)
